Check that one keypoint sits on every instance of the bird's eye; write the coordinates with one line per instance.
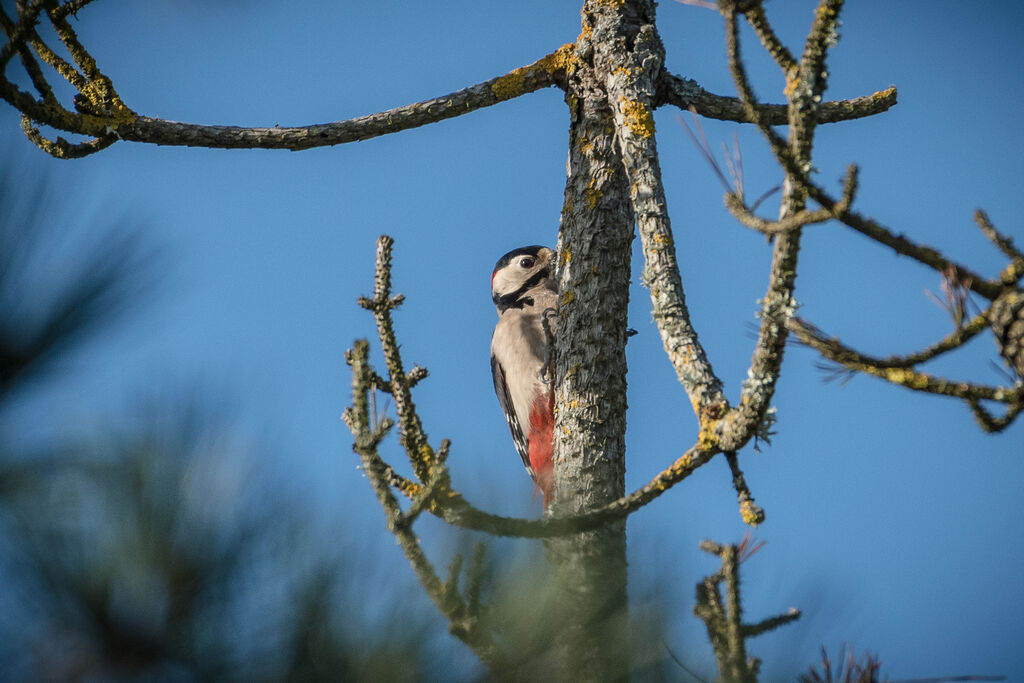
(526, 262)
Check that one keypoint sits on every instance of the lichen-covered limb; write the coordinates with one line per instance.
(893, 370)
(18, 33)
(71, 7)
(766, 34)
(631, 90)
(61, 148)
(1004, 242)
(995, 424)
(743, 422)
(543, 73)
(797, 170)
(424, 459)
(107, 115)
(724, 619)
(462, 614)
(737, 207)
(450, 505)
(806, 84)
(98, 104)
(16, 43)
(685, 93)
(750, 512)
(803, 329)
(929, 256)
(438, 479)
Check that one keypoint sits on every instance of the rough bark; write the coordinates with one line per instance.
(594, 272)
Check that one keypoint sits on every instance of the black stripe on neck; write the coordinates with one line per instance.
(517, 299)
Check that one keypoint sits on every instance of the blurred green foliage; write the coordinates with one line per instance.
(163, 550)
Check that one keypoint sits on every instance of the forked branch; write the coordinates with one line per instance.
(900, 370)
(461, 611)
(685, 93)
(724, 618)
(100, 113)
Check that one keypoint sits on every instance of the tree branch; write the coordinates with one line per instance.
(724, 620)
(778, 304)
(685, 93)
(450, 506)
(1003, 242)
(462, 614)
(101, 121)
(797, 171)
(631, 96)
(543, 73)
(734, 201)
(412, 436)
(929, 256)
(750, 511)
(896, 371)
(994, 424)
(773, 46)
(805, 330)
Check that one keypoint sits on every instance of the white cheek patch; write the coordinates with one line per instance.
(505, 281)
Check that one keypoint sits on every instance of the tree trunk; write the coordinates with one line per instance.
(590, 421)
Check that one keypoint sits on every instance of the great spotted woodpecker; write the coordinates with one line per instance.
(525, 293)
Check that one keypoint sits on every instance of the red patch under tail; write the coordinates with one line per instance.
(542, 443)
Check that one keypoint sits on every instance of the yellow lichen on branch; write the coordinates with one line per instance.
(638, 117)
(752, 514)
(561, 60)
(513, 83)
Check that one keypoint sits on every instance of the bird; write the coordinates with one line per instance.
(525, 295)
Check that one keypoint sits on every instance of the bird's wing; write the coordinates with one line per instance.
(501, 389)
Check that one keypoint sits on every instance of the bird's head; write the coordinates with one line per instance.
(519, 271)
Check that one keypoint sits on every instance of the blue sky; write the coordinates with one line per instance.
(893, 520)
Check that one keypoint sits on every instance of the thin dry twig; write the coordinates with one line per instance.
(750, 511)
(461, 613)
(724, 619)
(900, 370)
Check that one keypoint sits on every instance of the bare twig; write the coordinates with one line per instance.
(750, 511)
(773, 46)
(994, 424)
(1004, 242)
(804, 217)
(724, 621)
(805, 330)
(898, 372)
(463, 619)
(685, 93)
